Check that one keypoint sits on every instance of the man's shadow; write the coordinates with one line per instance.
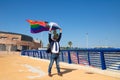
(65, 71)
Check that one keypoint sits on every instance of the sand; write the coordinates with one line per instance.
(17, 67)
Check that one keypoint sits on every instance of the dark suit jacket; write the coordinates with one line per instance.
(52, 41)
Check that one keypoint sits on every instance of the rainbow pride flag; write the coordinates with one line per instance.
(39, 26)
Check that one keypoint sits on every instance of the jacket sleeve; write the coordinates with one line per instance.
(49, 37)
(59, 37)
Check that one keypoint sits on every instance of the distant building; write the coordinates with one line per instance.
(15, 42)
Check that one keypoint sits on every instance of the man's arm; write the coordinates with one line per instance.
(49, 37)
(60, 35)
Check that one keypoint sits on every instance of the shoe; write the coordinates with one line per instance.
(60, 74)
(50, 74)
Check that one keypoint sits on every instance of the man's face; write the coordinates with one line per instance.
(55, 37)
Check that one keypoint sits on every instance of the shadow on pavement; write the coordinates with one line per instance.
(65, 71)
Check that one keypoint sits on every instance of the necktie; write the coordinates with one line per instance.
(56, 46)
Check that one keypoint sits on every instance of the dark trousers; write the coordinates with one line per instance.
(54, 57)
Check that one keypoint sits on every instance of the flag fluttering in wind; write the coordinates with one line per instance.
(39, 26)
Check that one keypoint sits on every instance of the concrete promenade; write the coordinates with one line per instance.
(16, 67)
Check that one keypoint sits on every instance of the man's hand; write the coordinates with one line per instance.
(60, 30)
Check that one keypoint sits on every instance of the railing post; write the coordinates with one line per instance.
(62, 56)
(69, 58)
(40, 54)
(36, 54)
(78, 57)
(44, 54)
(33, 53)
(28, 53)
(89, 59)
(102, 61)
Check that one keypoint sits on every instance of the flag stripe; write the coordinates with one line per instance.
(39, 27)
(38, 30)
(35, 26)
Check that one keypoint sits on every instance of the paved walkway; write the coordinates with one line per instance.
(16, 67)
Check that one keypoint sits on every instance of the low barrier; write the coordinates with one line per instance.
(9, 52)
(99, 58)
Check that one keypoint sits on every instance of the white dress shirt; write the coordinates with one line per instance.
(54, 50)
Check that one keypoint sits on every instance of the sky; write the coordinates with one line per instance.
(87, 23)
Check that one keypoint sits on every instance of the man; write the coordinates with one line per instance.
(55, 50)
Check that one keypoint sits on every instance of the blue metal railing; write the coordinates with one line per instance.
(100, 58)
